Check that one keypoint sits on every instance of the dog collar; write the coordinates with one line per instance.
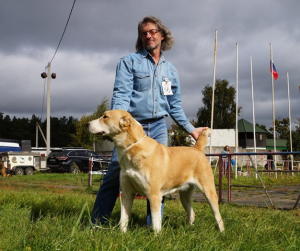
(128, 147)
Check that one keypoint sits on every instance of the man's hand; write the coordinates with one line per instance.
(197, 132)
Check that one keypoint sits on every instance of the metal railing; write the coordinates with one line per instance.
(104, 159)
(225, 170)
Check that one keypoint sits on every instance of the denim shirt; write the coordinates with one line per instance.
(138, 89)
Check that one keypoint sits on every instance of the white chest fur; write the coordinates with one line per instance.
(137, 181)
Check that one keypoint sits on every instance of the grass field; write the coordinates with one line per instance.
(52, 212)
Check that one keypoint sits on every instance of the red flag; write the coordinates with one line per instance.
(275, 73)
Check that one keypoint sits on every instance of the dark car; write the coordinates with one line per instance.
(75, 160)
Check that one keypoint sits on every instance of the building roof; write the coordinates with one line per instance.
(245, 126)
(281, 144)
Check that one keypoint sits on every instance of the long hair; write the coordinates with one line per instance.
(225, 148)
(168, 41)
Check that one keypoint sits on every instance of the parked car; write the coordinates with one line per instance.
(75, 160)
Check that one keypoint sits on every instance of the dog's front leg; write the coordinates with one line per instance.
(155, 206)
(126, 205)
(127, 198)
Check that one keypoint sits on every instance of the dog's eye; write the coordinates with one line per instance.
(105, 116)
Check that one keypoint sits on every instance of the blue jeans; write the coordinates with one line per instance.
(110, 187)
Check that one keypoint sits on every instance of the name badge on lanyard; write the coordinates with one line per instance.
(166, 85)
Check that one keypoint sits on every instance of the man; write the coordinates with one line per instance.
(147, 86)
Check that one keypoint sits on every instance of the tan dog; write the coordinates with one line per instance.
(155, 170)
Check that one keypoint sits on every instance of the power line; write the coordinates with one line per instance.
(64, 31)
(56, 52)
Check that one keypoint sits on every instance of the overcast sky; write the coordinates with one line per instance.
(101, 32)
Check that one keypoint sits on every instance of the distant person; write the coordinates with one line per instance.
(270, 163)
(289, 159)
(224, 153)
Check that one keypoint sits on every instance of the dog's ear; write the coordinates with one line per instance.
(125, 121)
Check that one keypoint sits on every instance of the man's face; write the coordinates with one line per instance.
(151, 37)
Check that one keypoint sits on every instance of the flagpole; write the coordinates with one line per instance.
(213, 90)
(253, 115)
(236, 107)
(273, 107)
(291, 143)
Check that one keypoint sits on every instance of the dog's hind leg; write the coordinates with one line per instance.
(186, 201)
(212, 197)
(126, 205)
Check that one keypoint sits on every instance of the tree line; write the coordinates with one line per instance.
(70, 131)
(25, 129)
(65, 131)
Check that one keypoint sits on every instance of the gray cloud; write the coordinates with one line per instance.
(101, 32)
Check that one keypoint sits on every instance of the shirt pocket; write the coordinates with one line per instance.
(141, 81)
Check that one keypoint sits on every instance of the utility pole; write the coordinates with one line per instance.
(48, 110)
(47, 75)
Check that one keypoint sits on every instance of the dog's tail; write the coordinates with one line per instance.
(202, 139)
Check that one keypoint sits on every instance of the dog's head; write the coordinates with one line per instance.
(112, 123)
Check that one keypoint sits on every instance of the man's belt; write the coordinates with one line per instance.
(149, 121)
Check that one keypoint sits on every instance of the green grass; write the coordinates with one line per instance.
(52, 212)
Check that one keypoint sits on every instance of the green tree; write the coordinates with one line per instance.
(5, 126)
(82, 137)
(25, 129)
(32, 131)
(179, 137)
(20, 128)
(224, 106)
(296, 137)
(61, 131)
(282, 128)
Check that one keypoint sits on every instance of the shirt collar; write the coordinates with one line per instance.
(145, 53)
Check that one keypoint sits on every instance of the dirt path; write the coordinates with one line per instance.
(282, 197)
